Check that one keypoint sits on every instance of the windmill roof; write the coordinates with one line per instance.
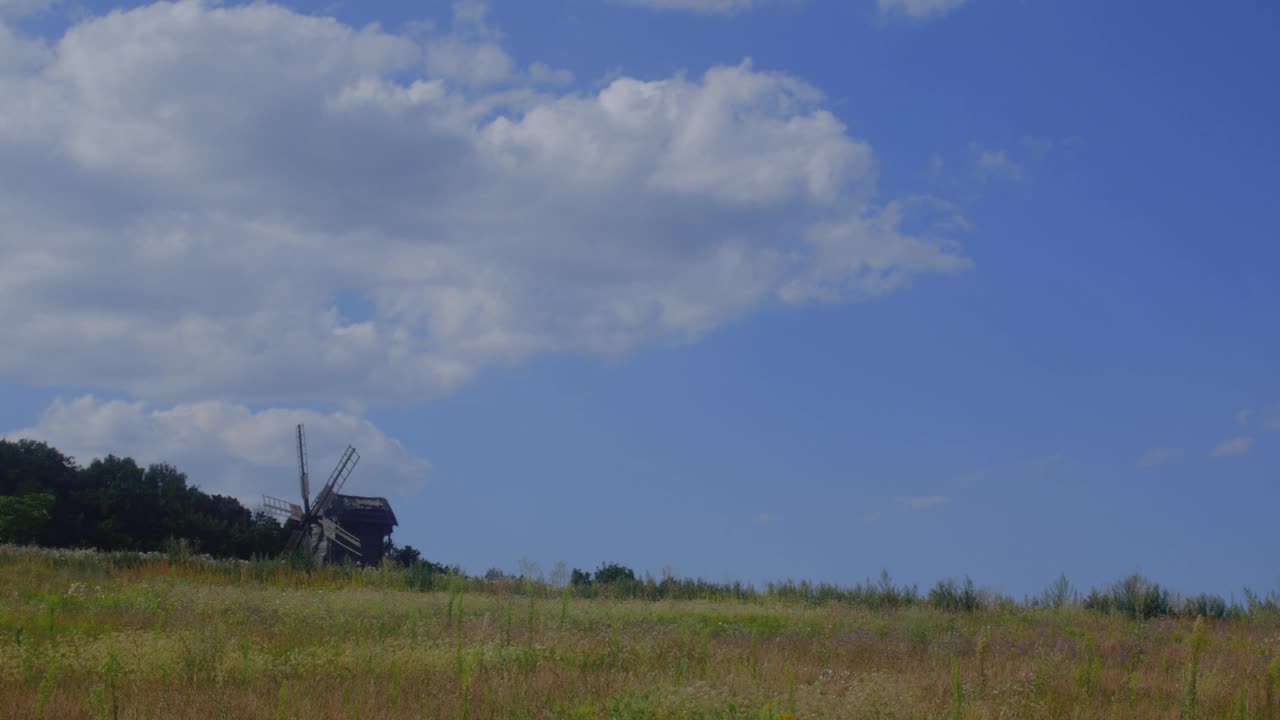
(356, 509)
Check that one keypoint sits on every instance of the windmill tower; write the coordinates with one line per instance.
(318, 533)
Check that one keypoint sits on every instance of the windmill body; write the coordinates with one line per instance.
(334, 527)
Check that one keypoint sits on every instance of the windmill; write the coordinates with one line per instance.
(318, 533)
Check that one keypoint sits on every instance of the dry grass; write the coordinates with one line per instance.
(84, 637)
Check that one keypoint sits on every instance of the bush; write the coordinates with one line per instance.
(1213, 607)
(404, 556)
(1135, 597)
(951, 596)
(1139, 598)
(611, 573)
(1099, 602)
(1058, 594)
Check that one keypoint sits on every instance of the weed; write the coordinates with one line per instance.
(46, 689)
(980, 655)
(143, 635)
(957, 691)
(1190, 697)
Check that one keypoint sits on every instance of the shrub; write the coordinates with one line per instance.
(1206, 605)
(608, 574)
(404, 556)
(1058, 594)
(1098, 601)
(1139, 598)
(952, 596)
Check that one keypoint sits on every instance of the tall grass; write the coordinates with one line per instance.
(123, 636)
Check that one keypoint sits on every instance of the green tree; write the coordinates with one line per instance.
(23, 517)
(404, 556)
(115, 504)
(611, 573)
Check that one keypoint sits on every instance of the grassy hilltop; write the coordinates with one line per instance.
(152, 636)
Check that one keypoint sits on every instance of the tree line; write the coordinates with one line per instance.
(116, 504)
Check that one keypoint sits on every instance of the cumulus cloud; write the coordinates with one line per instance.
(921, 502)
(21, 8)
(472, 63)
(1234, 446)
(20, 54)
(1264, 418)
(182, 220)
(544, 74)
(918, 9)
(868, 256)
(994, 164)
(228, 448)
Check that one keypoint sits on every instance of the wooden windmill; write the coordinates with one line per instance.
(318, 535)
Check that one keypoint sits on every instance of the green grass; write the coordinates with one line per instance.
(130, 636)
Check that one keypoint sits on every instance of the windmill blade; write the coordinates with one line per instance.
(295, 540)
(282, 509)
(319, 543)
(303, 478)
(337, 479)
(340, 476)
(339, 536)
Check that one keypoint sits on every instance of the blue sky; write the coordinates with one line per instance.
(750, 290)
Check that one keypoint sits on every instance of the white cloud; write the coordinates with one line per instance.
(1234, 446)
(22, 8)
(703, 7)
(472, 63)
(921, 502)
(994, 164)
(868, 256)
(186, 190)
(543, 74)
(228, 448)
(918, 9)
(19, 54)
(472, 15)
(1264, 418)
(1158, 456)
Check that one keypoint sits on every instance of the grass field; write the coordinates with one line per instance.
(128, 636)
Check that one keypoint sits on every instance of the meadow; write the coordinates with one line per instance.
(126, 635)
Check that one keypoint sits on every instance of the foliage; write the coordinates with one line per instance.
(611, 573)
(952, 596)
(1139, 598)
(404, 556)
(495, 575)
(1058, 594)
(23, 517)
(114, 504)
